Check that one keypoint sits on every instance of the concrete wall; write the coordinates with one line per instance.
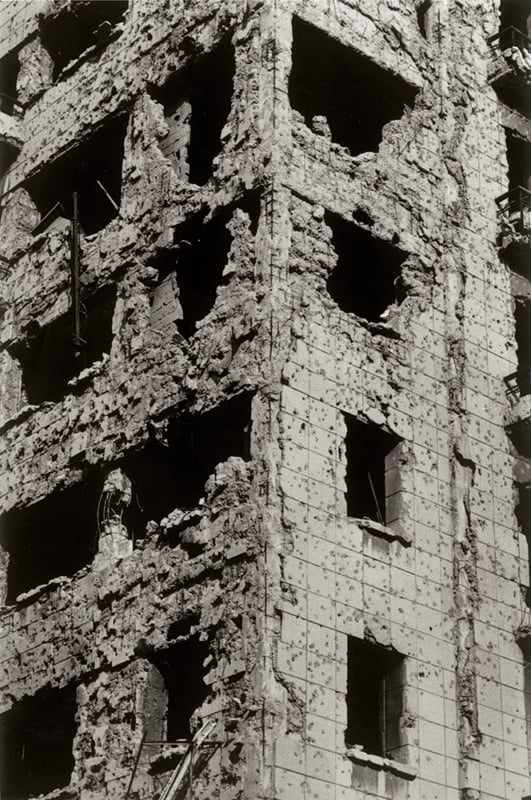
(274, 572)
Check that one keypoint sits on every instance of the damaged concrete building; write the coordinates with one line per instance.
(265, 369)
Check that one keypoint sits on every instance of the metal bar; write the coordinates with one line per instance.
(108, 196)
(184, 741)
(375, 498)
(75, 278)
(137, 759)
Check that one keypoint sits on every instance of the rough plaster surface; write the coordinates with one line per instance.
(272, 569)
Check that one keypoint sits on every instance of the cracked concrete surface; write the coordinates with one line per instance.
(190, 477)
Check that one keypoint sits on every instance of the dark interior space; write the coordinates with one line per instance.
(366, 278)
(522, 319)
(36, 744)
(174, 476)
(211, 98)
(356, 96)
(518, 160)
(183, 670)
(67, 34)
(55, 536)
(516, 14)
(7, 156)
(93, 169)
(367, 447)
(199, 257)
(423, 17)
(207, 84)
(9, 67)
(48, 356)
(523, 515)
(373, 696)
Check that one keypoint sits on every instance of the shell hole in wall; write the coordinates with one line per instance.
(366, 278)
(77, 27)
(173, 475)
(36, 736)
(191, 272)
(355, 95)
(47, 355)
(53, 537)
(93, 169)
(197, 103)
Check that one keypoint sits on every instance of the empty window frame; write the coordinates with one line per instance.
(372, 477)
(36, 744)
(9, 67)
(93, 169)
(193, 269)
(183, 669)
(523, 515)
(166, 477)
(197, 104)
(78, 26)
(518, 160)
(356, 96)
(366, 279)
(375, 691)
(53, 537)
(48, 357)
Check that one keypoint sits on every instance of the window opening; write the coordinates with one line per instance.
(9, 68)
(355, 95)
(518, 160)
(193, 268)
(519, 382)
(375, 687)
(47, 355)
(424, 17)
(93, 170)
(37, 735)
(366, 279)
(170, 476)
(197, 105)
(54, 537)
(523, 515)
(81, 25)
(183, 669)
(372, 465)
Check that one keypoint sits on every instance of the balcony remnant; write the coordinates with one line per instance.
(514, 215)
(510, 67)
(518, 384)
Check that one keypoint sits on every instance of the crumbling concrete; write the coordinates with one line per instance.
(293, 273)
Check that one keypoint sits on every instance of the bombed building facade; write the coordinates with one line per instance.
(265, 374)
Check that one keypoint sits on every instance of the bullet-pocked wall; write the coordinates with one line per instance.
(262, 482)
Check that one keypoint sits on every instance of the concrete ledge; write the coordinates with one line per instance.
(391, 534)
(359, 756)
(11, 131)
